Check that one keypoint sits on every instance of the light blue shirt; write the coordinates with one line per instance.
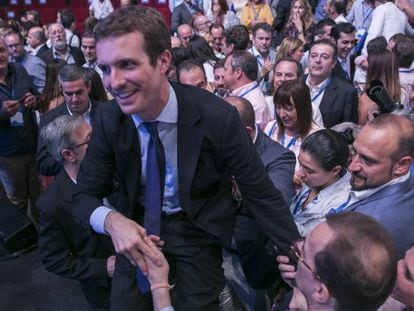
(36, 68)
(167, 130)
(360, 15)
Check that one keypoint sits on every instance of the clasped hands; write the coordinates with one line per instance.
(142, 250)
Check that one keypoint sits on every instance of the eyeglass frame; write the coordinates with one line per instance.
(79, 145)
(294, 249)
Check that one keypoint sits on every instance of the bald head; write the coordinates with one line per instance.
(185, 33)
(245, 109)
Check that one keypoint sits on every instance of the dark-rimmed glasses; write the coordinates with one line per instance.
(294, 248)
(79, 145)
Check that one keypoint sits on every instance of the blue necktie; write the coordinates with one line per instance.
(154, 191)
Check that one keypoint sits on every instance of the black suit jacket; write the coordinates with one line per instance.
(76, 53)
(256, 256)
(46, 164)
(45, 54)
(339, 103)
(212, 145)
(181, 15)
(66, 247)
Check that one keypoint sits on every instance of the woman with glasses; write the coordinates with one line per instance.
(323, 159)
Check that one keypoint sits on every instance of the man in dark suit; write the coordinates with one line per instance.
(344, 36)
(75, 87)
(333, 100)
(36, 39)
(183, 13)
(253, 270)
(65, 246)
(202, 142)
(60, 49)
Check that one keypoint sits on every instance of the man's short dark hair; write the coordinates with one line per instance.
(67, 17)
(219, 64)
(404, 51)
(358, 266)
(36, 16)
(346, 28)
(189, 65)
(148, 21)
(263, 26)
(246, 62)
(328, 43)
(216, 26)
(299, 70)
(324, 22)
(238, 36)
(18, 34)
(70, 73)
(339, 6)
(377, 44)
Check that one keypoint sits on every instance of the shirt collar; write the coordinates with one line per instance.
(243, 88)
(317, 87)
(86, 114)
(168, 115)
(363, 194)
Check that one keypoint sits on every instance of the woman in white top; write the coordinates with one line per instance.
(293, 122)
(323, 159)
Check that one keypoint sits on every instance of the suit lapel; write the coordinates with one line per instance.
(189, 139)
(259, 143)
(128, 156)
(328, 98)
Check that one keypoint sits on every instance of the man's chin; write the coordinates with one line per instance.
(358, 184)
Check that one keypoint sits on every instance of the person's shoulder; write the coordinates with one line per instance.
(53, 114)
(343, 85)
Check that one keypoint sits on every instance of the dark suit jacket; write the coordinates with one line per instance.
(279, 23)
(212, 145)
(180, 15)
(76, 53)
(340, 72)
(66, 247)
(46, 164)
(45, 54)
(257, 263)
(339, 103)
(392, 207)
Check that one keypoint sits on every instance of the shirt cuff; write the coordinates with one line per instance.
(97, 219)
(169, 308)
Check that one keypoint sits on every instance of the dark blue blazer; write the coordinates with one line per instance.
(393, 207)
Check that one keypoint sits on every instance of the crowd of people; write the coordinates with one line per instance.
(251, 155)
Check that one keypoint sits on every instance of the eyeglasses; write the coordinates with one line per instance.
(79, 145)
(294, 248)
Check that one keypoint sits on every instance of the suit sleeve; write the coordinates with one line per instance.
(175, 19)
(59, 256)
(265, 202)
(280, 171)
(95, 177)
(351, 106)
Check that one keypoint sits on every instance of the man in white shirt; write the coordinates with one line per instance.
(336, 10)
(100, 8)
(240, 73)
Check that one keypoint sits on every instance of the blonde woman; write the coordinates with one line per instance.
(290, 47)
(300, 20)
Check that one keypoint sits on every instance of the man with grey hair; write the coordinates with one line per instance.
(59, 47)
(75, 87)
(65, 246)
(240, 74)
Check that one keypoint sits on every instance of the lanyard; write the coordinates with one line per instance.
(291, 142)
(249, 90)
(321, 90)
(273, 128)
(406, 70)
(299, 201)
(341, 207)
(369, 11)
(256, 14)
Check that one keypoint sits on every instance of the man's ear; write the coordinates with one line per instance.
(67, 155)
(164, 61)
(402, 166)
(322, 295)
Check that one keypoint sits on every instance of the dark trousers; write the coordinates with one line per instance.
(195, 269)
